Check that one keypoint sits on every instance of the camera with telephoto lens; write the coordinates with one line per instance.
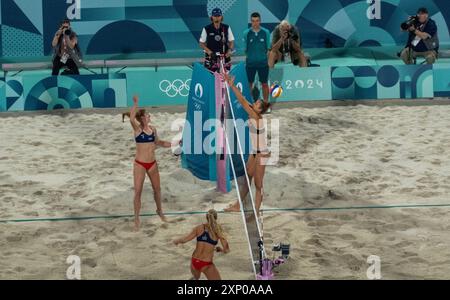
(68, 31)
(412, 21)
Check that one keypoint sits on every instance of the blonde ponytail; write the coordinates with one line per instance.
(213, 226)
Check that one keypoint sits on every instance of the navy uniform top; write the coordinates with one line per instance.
(215, 39)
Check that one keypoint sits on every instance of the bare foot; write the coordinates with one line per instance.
(162, 216)
(233, 208)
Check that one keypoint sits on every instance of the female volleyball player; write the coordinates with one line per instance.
(256, 164)
(147, 140)
(208, 236)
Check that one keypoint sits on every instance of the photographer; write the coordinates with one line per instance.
(286, 41)
(423, 39)
(67, 52)
(216, 38)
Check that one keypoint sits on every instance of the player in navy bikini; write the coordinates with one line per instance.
(208, 236)
(147, 140)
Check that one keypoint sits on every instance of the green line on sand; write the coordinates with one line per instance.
(109, 217)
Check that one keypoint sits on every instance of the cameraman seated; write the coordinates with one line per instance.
(286, 41)
(67, 53)
(423, 39)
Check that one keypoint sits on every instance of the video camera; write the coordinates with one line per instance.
(412, 21)
(284, 249)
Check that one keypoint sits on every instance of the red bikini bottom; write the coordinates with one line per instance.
(146, 166)
(199, 264)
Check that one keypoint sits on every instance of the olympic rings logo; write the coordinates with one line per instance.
(176, 88)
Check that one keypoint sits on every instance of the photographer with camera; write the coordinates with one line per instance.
(423, 39)
(286, 41)
(67, 53)
(217, 39)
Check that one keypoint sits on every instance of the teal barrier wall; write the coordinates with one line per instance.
(170, 86)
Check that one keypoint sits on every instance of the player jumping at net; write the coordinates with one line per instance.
(147, 140)
(208, 236)
(256, 164)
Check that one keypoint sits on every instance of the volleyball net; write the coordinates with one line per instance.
(253, 227)
(218, 151)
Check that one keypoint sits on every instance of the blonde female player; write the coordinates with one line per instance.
(208, 236)
(146, 138)
(256, 164)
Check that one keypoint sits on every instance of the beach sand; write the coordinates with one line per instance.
(76, 165)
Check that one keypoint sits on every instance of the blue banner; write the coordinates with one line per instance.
(196, 158)
(199, 153)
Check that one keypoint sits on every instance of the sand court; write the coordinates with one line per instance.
(351, 182)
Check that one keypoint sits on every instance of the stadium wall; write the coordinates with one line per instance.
(170, 86)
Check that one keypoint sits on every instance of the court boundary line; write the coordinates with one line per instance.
(304, 209)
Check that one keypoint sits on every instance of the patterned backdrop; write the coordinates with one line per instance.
(169, 86)
(27, 26)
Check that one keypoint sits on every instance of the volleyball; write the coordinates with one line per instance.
(276, 91)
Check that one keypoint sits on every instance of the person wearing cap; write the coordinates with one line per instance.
(423, 39)
(216, 38)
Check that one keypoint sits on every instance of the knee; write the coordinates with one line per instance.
(259, 186)
(404, 55)
(431, 59)
(137, 194)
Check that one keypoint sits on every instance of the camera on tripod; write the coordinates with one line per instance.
(412, 21)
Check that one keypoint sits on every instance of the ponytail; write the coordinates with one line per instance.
(140, 113)
(213, 226)
(125, 115)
